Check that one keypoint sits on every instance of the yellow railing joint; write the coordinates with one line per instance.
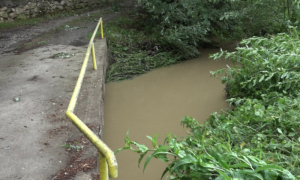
(98, 143)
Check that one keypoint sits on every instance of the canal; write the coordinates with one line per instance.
(155, 103)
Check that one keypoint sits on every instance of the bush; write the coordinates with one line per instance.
(183, 25)
(262, 66)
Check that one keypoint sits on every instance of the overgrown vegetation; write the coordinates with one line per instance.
(175, 30)
(262, 66)
(134, 52)
(259, 139)
(183, 25)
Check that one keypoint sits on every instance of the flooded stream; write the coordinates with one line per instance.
(155, 103)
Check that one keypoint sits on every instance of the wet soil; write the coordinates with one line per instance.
(71, 30)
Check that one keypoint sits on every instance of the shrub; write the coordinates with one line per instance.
(183, 25)
(263, 65)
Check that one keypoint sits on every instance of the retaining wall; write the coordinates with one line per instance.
(11, 10)
(22, 9)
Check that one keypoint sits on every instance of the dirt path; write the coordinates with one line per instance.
(71, 30)
(37, 79)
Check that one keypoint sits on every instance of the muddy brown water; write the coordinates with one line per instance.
(155, 103)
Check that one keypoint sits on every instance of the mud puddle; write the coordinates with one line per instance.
(155, 103)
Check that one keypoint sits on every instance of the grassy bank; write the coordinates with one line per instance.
(134, 51)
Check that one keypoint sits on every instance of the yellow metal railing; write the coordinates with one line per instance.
(108, 165)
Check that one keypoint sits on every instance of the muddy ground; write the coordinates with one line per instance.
(39, 66)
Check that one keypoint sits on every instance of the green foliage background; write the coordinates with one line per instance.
(183, 25)
(259, 138)
(175, 30)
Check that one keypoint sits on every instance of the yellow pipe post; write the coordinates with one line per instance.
(103, 168)
(94, 57)
(101, 28)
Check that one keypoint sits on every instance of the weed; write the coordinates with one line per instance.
(89, 35)
(69, 146)
(62, 55)
(19, 22)
(42, 43)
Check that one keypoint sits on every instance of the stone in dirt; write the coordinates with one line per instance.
(3, 14)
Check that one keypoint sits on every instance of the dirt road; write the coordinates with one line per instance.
(39, 66)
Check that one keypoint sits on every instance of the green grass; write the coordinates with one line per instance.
(89, 35)
(21, 22)
(43, 43)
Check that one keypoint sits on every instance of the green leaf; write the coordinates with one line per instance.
(147, 161)
(141, 157)
(262, 78)
(165, 171)
(223, 175)
(249, 173)
(280, 101)
(258, 113)
(121, 149)
(279, 130)
(181, 154)
(269, 167)
(141, 147)
(154, 141)
(239, 165)
(119, 46)
(184, 161)
(160, 153)
(286, 175)
(149, 137)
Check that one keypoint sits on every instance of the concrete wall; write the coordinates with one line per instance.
(22, 9)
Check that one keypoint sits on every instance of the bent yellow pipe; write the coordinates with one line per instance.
(100, 145)
(108, 157)
(76, 91)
